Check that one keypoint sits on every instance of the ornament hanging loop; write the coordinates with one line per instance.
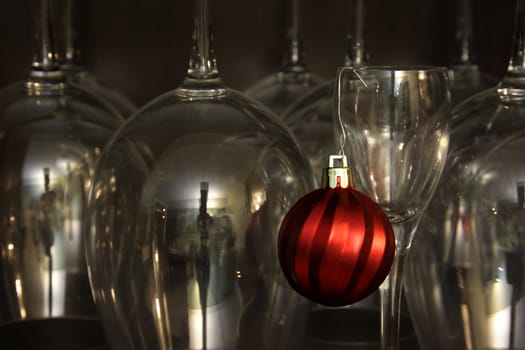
(338, 103)
(338, 175)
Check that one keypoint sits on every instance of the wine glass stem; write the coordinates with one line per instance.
(356, 52)
(517, 61)
(202, 61)
(391, 289)
(464, 34)
(514, 78)
(390, 294)
(69, 35)
(44, 55)
(294, 56)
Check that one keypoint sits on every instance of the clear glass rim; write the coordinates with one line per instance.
(400, 68)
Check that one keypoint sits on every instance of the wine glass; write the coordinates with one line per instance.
(393, 124)
(495, 196)
(51, 136)
(455, 286)
(69, 56)
(278, 90)
(465, 77)
(310, 115)
(184, 212)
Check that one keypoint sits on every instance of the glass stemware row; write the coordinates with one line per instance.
(180, 209)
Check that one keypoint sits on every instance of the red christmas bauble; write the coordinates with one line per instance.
(336, 246)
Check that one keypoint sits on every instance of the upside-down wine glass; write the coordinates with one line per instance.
(278, 90)
(393, 124)
(467, 301)
(51, 136)
(495, 198)
(69, 56)
(184, 213)
(310, 117)
(465, 77)
(465, 277)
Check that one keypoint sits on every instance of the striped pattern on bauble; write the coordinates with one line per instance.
(336, 246)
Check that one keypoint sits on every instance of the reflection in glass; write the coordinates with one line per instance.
(184, 214)
(213, 263)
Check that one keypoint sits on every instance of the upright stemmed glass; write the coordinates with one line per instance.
(395, 131)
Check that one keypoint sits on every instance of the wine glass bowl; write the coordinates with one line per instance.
(396, 133)
(153, 182)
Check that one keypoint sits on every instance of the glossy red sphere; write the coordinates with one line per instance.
(336, 246)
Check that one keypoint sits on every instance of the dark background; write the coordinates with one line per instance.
(141, 47)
